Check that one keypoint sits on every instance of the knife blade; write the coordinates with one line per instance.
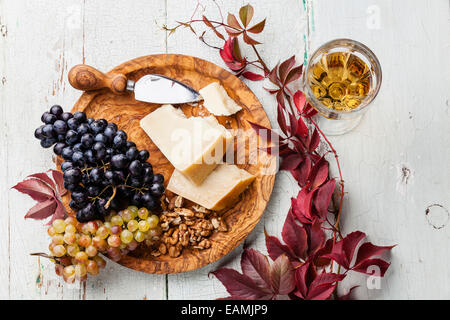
(151, 88)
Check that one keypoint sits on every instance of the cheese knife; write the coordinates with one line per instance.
(151, 88)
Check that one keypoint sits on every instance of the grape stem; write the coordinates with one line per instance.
(111, 198)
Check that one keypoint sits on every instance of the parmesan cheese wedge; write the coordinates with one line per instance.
(217, 101)
(193, 145)
(219, 190)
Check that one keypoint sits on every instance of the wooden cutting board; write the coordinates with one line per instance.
(127, 112)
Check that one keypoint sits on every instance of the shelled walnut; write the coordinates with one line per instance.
(186, 227)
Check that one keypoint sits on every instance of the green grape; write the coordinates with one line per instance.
(72, 250)
(103, 232)
(92, 268)
(117, 221)
(80, 271)
(69, 271)
(59, 250)
(51, 231)
(70, 238)
(114, 241)
(71, 220)
(58, 239)
(81, 257)
(70, 228)
(134, 210)
(143, 213)
(139, 236)
(92, 227)
(84, 240)
(91, 251)
(59, 225)
(144, 226)
(153, 221)
(126, 236)
(132, 225)
(127, 215)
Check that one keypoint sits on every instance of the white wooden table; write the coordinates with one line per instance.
(396, 164)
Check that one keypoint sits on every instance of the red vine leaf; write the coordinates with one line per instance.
(294, 74)
(36, 189)
(42, 210)
(256, 266)
(210, 25)
(47, 192)
(239, 285)
(291, 162)
(275, 248)
(319, 173)
(257, 28)
(231, 55)
(295, 237)
(285, 67)
(323, 198)
(282, 275)
(250, 40)
(314, 141)
(302, 130)
(246, 14)
(233, 22)
(252, 76)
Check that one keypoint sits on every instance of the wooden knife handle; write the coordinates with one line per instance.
(87, 78)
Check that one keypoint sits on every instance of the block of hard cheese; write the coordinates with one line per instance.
(217, 101)
(218, 191)
(193, 145)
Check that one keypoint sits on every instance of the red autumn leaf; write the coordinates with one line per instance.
(275, 248)
(47, 192)
(249, 40)
(246, 14)
(313, 286)
(257, 28)
(302, 172)
(233, 22)
(36, 189)
(256, 266)
(302, 130)
(210, 25)
(319, 173)
(285, 67)
(239, 285)
(271, 91)
(299, 101)
(42, 210)
(319, 259)
(294, 74)
(344, 250)
(59, 181)
(367, 267)
(314, 141)
(252, 76)
(323, 197)
(266, 133)
(292, 124)
(301, 206)
(316, 237)
(230, 54)
(233, 32)
(282, 275)
(281, 119)
(295, 237)
(291, 162)
(368, 250)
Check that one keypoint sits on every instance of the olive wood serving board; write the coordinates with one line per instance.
(127, 112)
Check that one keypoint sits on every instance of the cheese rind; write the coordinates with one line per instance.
(217, 101)
(193, 145)
(218, 191)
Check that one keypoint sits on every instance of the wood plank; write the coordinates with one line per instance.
(396, 163)
(281, 39)
(43, 42)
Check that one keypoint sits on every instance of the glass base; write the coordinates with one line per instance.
(332, 127)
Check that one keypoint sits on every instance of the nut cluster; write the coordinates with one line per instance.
(183, 227)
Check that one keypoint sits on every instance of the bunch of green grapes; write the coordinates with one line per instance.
(76, 246)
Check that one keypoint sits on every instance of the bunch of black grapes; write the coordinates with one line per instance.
(102, 170)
